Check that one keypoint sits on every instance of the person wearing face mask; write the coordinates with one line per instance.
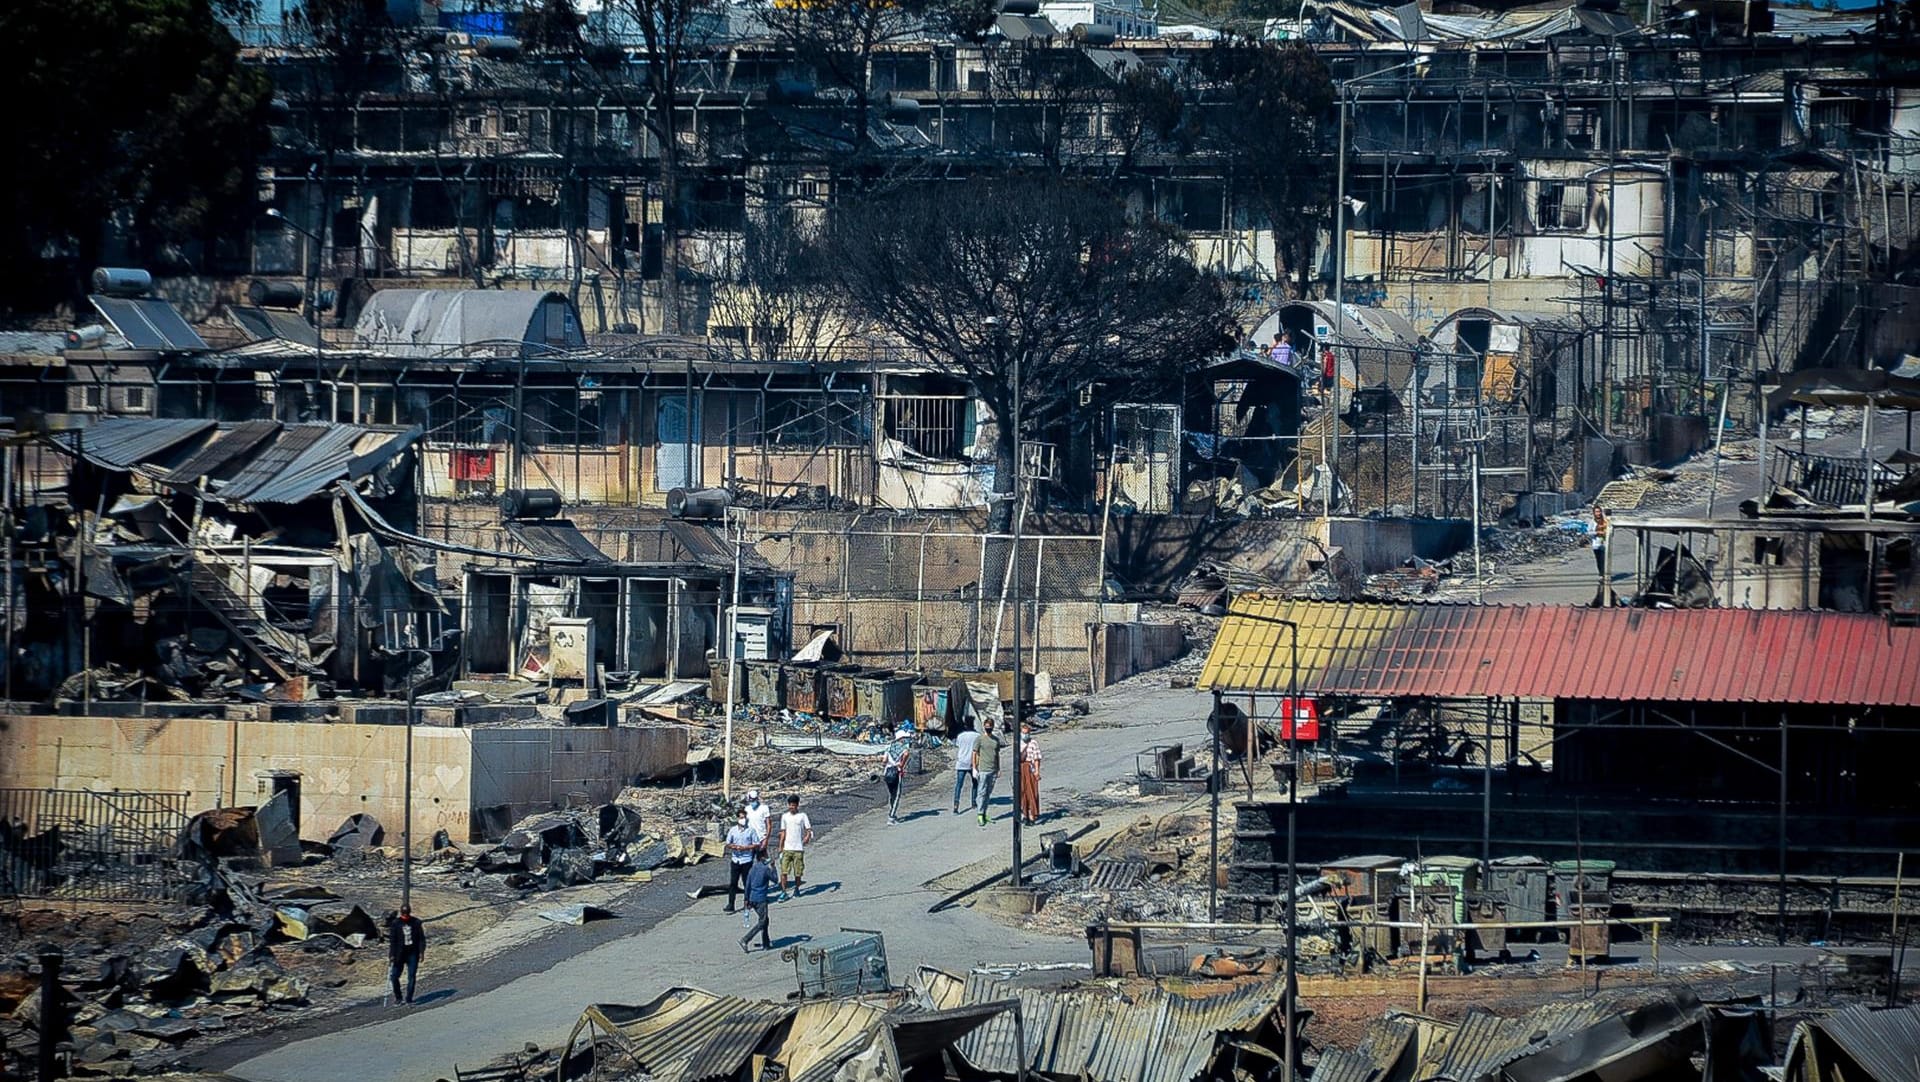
(742, 843)
(758, 814)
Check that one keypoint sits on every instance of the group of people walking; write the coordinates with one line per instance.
(749, 871)
(976, 759)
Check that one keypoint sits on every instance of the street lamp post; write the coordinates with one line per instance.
(1291, 719)
(733, 664)
(1019, 503)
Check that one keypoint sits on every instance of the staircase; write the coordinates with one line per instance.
(223, 587)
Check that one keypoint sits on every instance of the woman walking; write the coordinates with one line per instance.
(1029, 777)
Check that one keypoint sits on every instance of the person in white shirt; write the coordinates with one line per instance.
(963, 746)
(758, 814)
(796, 833)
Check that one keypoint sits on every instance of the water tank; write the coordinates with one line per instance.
(87, 337)
(529, 503)
(1093, 34)
(790, 91)
(500, 48)
(905, 111)
(273, 294)
(122, 281)
(698, 502)
(1019, 7)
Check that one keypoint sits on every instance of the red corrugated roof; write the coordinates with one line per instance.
(1550, 652)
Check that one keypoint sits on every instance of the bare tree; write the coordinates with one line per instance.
(774, 285)
(1263, 111)
(1052, 278)
(677, 34)
(839, 40)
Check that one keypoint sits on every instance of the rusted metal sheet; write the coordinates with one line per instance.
(1550, 652)
(123, 442)
(1093, 1034)
(1885, 1044)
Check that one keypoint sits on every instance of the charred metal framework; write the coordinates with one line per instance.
(82, 845)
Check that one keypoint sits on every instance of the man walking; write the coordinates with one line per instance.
(742, 842)
(758, 815)
(896, 765)
(986, 766)
(759, 886)
(796, 833)
(406, 945)
(963, 746)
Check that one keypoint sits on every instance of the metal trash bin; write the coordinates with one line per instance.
(849, 962)
(1578, 883)
(1522, 882)
(1593, 937)
(1460, 875)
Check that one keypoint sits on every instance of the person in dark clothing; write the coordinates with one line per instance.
(760, 880)
(406, 945)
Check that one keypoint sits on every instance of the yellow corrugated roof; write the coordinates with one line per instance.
(1252, 652)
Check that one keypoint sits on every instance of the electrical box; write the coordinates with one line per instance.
(570, 648)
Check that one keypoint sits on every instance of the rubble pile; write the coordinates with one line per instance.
(558, 849)
(225, 955)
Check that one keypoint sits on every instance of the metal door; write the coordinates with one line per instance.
(674, 437)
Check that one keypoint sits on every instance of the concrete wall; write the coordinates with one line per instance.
(534, 768)
(344, 769)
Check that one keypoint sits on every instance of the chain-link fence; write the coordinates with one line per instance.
(925, 596)
(88, 846)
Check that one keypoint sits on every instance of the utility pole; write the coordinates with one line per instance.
(1019, 507)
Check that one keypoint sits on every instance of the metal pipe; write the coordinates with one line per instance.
(6, 527)
(1244, 926)
(1780, 929)
(1213, 835)
(406, 799)
(1293, 873)
(52, 1020)
(733, 663)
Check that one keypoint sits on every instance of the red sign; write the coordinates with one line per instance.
(1307, 715)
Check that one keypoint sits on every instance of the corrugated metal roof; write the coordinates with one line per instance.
(686, 1034)
(307, 458)
(1339, 1065)
(228, 445)
(1886, 1043)
(824, 1034)
(122, 442)
(1484, 1043)
(1102, 1034)
(1550, 652)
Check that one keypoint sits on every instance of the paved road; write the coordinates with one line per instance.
(869, 875)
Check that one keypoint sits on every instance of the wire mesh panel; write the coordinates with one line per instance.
(88, 846)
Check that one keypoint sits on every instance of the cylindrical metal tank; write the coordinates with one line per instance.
(122, 281)
(698, 502)
(529, 503)
(268, 294)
